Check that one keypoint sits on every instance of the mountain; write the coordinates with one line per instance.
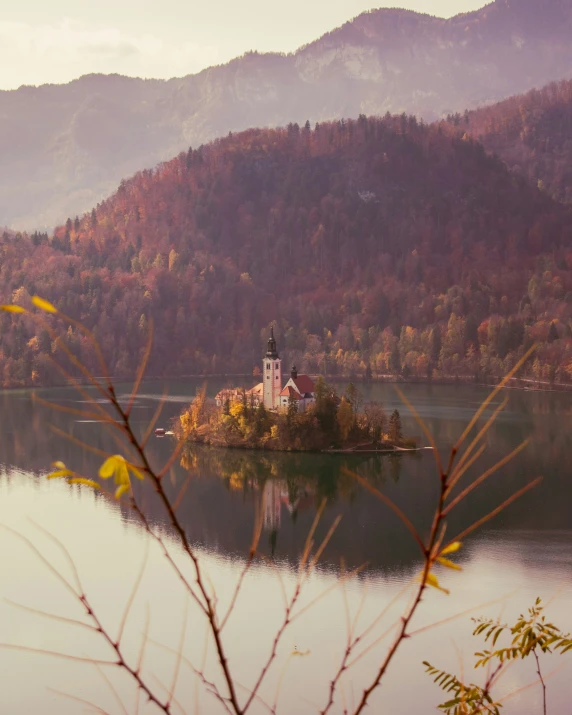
(375, 245)
(532, 133)
(64, 148)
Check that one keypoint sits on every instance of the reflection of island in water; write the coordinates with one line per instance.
(287, 489)
(226, 486)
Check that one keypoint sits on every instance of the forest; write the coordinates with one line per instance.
(532, 133)
(376, 246)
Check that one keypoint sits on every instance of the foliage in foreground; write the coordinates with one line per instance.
(435, 549)
(530, 635)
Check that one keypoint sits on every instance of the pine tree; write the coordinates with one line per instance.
(326, 408)
(552, 333)
(395, 361)
(435, 344)
(395, 430)
(291, 414)
(345, 418)
(260, 420)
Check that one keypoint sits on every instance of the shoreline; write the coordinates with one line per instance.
(351, 451)
(515, 383)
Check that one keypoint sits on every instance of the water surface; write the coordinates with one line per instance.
(523, 553)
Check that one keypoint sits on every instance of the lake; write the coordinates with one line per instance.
(522, 553)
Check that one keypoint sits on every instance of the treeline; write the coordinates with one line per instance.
(375, 246)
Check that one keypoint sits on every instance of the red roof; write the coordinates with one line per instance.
(290, 392)
(305, 384)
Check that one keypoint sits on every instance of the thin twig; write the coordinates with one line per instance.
(388, 502)
(132, 594)
(76, 699)
(541, 681)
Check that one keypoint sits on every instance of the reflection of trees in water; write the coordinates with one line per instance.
(226, 485)
(325, 477)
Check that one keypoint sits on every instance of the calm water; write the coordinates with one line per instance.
(523, 553)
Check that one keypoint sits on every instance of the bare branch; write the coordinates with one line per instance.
(51, 616)
(132, 594)
(496, 511)
(76, 699)
(424, 428)
(484, 475)
(141, 369)
(460, 468)
(57, 654)
(388, 502)
(113, 691)
(506, 379)
(179, 654)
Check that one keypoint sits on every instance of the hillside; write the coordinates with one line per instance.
(532, 133)
(65, 148)
(382, 246)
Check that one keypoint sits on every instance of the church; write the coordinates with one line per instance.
(300, 389)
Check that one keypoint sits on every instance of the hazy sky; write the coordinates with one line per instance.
(57, 40)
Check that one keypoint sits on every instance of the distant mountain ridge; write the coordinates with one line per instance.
(65, 147)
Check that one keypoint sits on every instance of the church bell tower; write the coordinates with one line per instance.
(272, 375)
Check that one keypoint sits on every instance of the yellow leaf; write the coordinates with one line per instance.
(108, 468)
(12, 308)
(122, 475)
(121, 490)
(449, 564)
(60, 473)
(86, 482)
(58, 465)
(433, 581)
(43, 305)
(455, 546)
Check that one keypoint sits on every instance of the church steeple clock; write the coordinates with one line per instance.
(272, 375)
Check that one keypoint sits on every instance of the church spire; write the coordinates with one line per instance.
(271, 351)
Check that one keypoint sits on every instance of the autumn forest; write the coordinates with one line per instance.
(376, 246)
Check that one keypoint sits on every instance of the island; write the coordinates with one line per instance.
(303, 415)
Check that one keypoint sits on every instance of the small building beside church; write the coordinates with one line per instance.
(271, 392)
(300, 388)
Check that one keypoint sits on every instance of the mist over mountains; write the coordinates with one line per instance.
(66, 147)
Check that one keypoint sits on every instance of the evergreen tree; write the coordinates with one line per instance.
(346, 418)
(260, 419)
(435, 344)
(326, 409)
(291, 414)
(395, 430)
(395, 361)
(354, 397)
(552, 333)
(244, 402)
